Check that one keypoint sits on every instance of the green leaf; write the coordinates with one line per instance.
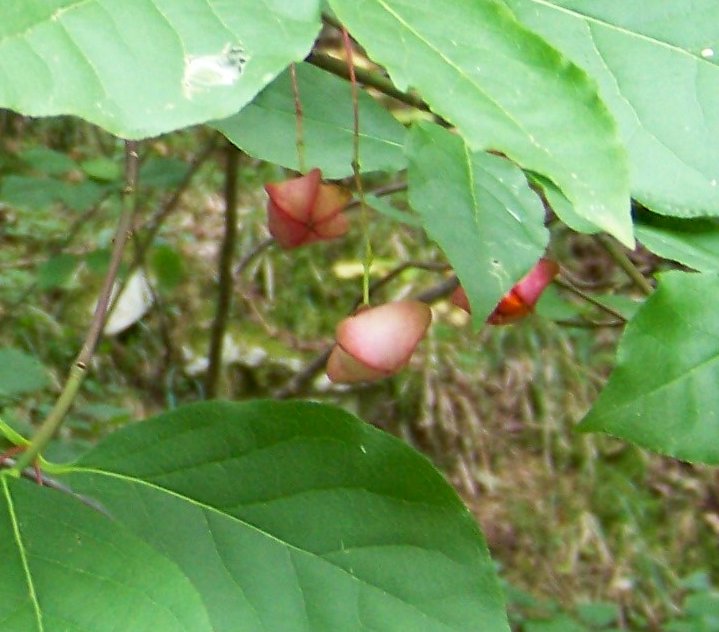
(293, 516)
(168, 266)
(479, 209)
(598, 614)
(31, 193)
(67, 566)
(562, 206)
(102, 169)
(57, 271)
(162, 172)
(48, 161)
(147, 67)
(383, 206)
(39, 193)
(692, 242)
(505, 89)
(662, 394)
(20, 373)
(656, 65)
(266, 128)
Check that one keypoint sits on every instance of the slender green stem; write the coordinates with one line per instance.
(224, 297)
(625, 263)
(364, 212)
(79, 368)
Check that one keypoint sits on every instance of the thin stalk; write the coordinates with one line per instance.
(625, 263)
(226, 286)
(364, 212)
(589, 299)
(79, 368)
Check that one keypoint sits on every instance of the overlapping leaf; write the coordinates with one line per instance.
(288, 516)
(267, 127)
(692, 242)
(657, 65)
(142, 67)
(505, 89)
(479, 209)
(662, 395)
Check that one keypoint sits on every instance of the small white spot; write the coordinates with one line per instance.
(713, 182)
(364, 450)
(205, 72)
(707, 53)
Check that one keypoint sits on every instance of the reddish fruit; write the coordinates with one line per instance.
(521, 299)
(303, 210)
(377, 342)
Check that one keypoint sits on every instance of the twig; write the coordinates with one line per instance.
(79, 368)
(38, 477)
(250, 256)
(224, 298)
(395, 272)
(589, 324)
(615, 252)
(368, 78)
(590, 299)
(155, 222)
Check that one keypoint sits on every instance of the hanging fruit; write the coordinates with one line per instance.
(304, 210)
(378, 341)
(521, 299)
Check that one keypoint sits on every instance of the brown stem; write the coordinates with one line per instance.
(226, 286)
(625, 263)
(589, 299)
(366, 77)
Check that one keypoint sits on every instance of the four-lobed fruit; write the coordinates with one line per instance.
(303, 210)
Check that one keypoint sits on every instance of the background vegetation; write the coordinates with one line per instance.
(588, 532)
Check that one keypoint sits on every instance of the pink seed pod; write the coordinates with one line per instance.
(378, 342)
(304, 209)
(521, 299)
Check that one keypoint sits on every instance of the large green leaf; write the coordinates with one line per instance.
(656, 64)
(693, 242)
(663, 393)
(506, 90)
(267, 127)
(297, 516)
(142, 67)
(479, 209)
(66, 566)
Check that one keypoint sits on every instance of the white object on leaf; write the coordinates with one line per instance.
(204, 72)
